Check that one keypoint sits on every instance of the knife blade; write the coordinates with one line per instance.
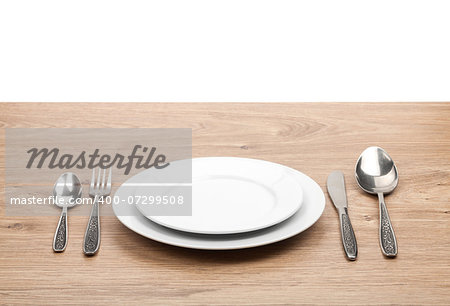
(336, 190)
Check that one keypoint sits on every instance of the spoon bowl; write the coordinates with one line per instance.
(376, 173)
(67, 187)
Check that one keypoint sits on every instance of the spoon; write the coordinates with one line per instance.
(66, 190)
(376, 174)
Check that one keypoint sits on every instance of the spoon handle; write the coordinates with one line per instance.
(91, 241)
(388, 241)
(60, 238)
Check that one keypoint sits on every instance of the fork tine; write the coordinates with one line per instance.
(93, 178)
(103, 179)
(97, 183)
(109, 180)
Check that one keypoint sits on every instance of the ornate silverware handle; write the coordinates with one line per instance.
(92, 236)
(348, 236)
(388, 241)
(60, 238)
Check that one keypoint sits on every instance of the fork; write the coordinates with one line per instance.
(97, 190)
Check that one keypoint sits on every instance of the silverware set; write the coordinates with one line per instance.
(375, 173)
(68, 188)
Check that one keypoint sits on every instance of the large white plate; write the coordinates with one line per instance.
(307, 215)
(233, 195)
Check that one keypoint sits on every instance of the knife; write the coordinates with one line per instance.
(336, 190)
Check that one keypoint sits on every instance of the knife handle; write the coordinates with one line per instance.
(348, 236)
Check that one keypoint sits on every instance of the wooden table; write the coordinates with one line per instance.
(314, 138)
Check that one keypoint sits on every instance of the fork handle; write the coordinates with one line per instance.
(91, 242)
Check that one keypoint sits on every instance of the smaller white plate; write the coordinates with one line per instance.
(234, 195)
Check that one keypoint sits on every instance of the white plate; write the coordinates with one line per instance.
(307, 215)
(233, 195)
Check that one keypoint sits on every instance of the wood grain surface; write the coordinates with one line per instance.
(310, 268)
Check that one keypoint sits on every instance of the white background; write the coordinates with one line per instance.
(230, 50)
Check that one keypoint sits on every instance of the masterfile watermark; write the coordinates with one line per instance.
(53, 159)
(150, 167)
